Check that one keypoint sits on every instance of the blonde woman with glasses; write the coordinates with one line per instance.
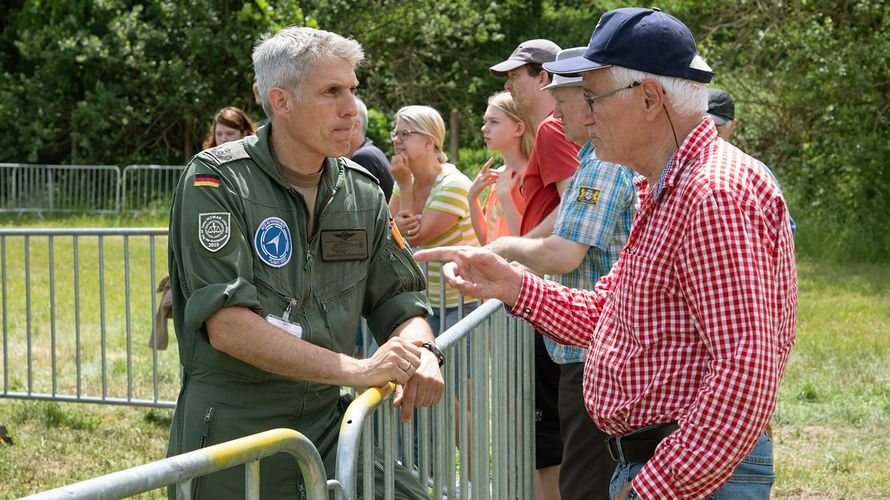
(429, 201)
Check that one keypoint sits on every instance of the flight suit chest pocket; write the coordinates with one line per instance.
(404, 267)
(341, 303)
(275, 297)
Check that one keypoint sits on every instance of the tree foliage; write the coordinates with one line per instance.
(116, 81)
(811, 80)
(124, 81)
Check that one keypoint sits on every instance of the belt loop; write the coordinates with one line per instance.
(620, 450)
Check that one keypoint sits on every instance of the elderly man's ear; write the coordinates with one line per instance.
(653, 96)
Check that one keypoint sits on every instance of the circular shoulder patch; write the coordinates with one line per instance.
(273, 242)
(214, 229)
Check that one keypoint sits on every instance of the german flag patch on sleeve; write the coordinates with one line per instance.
(207, 180)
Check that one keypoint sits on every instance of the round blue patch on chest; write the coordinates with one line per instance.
(273, 242)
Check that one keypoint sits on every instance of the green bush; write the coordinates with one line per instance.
(118, 82)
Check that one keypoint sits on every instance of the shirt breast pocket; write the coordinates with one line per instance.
(646, 299)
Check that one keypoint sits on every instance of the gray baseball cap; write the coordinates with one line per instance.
(566, 81)
(538, 51)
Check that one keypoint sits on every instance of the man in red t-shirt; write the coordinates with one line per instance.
(553, 162)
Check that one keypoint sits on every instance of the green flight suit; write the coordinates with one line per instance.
(238, 237)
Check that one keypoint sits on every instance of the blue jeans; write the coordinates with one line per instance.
(752, 479)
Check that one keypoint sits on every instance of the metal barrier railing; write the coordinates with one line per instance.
(59, 188)
(86, 188)
(148, 187)
(78, 305)
(498, 400)
(77, 312)
(179, 470)
(500, 451)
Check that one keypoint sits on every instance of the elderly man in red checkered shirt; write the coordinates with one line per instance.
(689, 334)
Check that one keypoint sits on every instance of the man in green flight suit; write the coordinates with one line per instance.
(277, 246)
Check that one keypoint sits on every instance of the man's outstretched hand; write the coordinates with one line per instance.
(476, 272)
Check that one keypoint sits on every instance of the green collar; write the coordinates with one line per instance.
(259, 148)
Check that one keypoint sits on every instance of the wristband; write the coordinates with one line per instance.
(436, 352)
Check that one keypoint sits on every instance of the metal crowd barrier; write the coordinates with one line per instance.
(78, 309)
(59, 188)
(499, 455)
(148, 187)
(86, 188)
(489, 390)
(181, 469)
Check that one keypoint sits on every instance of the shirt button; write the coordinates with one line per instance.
(527, 310)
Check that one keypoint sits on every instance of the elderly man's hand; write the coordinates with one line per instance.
(477, 272)
(423, 389)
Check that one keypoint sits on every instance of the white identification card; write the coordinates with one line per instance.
(291, 328)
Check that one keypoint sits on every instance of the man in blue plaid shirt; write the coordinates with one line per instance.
(592, 226)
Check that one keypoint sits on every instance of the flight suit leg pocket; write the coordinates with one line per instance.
(222, 423)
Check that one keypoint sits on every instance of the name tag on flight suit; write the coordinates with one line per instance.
(344, 244)
(291, 328)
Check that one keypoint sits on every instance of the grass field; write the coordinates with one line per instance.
(830, 425)
(834, 403)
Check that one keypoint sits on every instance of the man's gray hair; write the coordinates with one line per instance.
(688, 98)
(287, 58)
(362, 114)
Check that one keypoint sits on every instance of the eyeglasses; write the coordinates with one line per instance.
(402, 134)
(592, 99)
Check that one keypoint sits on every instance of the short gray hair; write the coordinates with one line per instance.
(287, 58)
(686, 96)
(362, 114)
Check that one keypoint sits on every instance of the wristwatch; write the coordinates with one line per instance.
(436, 352)
(632, 494)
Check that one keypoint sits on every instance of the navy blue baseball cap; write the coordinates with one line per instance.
(642, 39)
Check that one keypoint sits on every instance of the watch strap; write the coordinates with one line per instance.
(436, 352)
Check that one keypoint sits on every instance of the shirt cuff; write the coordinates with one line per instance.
(528, 302)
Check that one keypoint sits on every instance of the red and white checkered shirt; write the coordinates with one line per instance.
(695, 321)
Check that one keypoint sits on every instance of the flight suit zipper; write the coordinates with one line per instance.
(205, 428)
(313, 241)
(324, 307)
(307, 266)
(303, 228)
(324, 312)
(286, 300)
(324, 304)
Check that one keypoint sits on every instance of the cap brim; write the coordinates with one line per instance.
(500, 70)
(556, 85)
(573, 66)
(719, 120)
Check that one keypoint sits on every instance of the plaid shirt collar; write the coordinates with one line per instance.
(586, 150)
(702, 135)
